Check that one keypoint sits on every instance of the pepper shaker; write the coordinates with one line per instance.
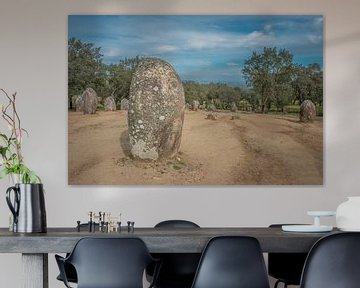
(78, 226)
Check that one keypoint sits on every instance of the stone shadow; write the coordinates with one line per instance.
(125, 142)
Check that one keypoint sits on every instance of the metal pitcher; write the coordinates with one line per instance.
(27, 207)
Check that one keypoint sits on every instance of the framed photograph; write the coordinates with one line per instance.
(195, 100)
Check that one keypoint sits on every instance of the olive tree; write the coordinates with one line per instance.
(269, 74)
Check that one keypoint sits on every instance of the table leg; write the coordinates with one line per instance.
(35, 270)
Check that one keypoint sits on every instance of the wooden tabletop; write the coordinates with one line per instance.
(158, 240)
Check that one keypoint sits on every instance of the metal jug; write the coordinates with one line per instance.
(28, 208)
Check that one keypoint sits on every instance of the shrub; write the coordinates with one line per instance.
(293, 109)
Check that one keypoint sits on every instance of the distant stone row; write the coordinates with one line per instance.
(88, 102)
(195, 105)
(307, 109)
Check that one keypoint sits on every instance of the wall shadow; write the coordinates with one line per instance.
(344, 39)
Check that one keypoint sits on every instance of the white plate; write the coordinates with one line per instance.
(306, 228)
(321, 213)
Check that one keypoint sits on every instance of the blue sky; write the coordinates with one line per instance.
(201, 48)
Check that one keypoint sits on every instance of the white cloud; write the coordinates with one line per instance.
(198, 63)
(318, 21)
(257, 38)
(314, 39)
(267, 28)
(232, 64)
(113, 51)
(166, 49)
(199, 41)
(196, 40)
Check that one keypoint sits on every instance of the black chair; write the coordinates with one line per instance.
(333, 262)
(286, 267)
(178, 269)
(69, 269)
(232, 262)
(108, 263)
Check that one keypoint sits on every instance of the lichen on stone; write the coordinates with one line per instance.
(157, 103)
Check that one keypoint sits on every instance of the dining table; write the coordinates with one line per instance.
(35, 247)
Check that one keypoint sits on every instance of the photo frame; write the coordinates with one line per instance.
(248, 96)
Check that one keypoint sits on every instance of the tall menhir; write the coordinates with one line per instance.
(156, 110)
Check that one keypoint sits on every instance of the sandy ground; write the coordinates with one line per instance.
(253, 149)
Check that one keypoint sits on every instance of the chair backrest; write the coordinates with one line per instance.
(232, 262)
(178, 269)
(176, 224)
(333, 262)
(110, 262)
(286, 267)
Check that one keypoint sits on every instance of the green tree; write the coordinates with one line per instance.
(85, 67)
(308, 83)
(252, 98)
(195, 91)
(269, 73)
(119, 81)
(119, 77)
(282, 96)
(220, 94)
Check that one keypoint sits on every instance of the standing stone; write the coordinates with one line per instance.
(109, 104)
(211, 107)
(233, 107)
(90, 101)
(156, 110)
(124, 104)
(204, 105)
(307, 111)
(195, 105)
(79, 104)
(187, 106)
(211, 116)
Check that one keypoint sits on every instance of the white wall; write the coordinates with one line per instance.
(33, 62)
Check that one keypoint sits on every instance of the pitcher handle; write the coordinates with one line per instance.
(13, 208)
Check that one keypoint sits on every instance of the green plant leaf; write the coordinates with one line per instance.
(4, 137)
(26, 132)
(3, 151)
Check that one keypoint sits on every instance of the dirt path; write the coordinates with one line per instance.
(281, 150)
(255, 149)
(214, 145)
